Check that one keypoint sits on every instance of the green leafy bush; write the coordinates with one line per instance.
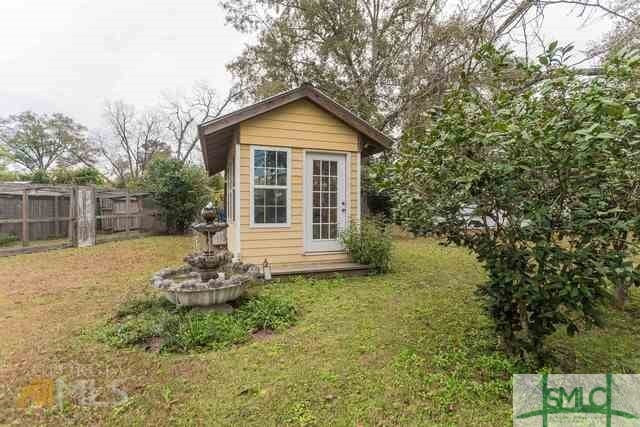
(539, 178)
(369, 243)
(179, 190)
(181, 329)
(7, 239)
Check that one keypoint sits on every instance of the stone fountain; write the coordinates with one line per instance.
(210, 277)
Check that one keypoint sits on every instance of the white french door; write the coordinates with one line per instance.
(325, 201)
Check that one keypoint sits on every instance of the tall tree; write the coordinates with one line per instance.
(388, 60)
(133, 140)
(39, 142)
(626, 31)
(183, 114)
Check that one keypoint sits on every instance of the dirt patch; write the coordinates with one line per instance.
(153, 344)
(263, 334)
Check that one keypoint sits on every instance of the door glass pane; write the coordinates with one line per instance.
(325, 200)
(333, 199)
(333, 231)
(325, 167)
(324, 216)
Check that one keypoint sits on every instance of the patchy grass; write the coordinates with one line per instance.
(156, 324)
(408, 348)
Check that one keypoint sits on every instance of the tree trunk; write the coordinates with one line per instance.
(621, 296)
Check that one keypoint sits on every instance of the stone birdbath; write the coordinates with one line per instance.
(210, 277)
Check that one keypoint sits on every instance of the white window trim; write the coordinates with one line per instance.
(251, 200)
(358, 187)
(231, 191)
(238, 222)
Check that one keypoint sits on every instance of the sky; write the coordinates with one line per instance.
(71, 56)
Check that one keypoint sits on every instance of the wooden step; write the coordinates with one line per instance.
(320, 269)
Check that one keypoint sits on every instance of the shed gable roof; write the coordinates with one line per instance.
(221, 127)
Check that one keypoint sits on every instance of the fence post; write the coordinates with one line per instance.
(140, 218)
(56, 215)
(128, 213)
(25, 217)
(72, 216)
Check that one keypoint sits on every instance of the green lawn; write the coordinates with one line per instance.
(407, 348)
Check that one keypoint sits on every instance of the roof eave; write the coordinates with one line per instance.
(306, 91)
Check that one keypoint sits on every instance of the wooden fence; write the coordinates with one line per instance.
(36, 217)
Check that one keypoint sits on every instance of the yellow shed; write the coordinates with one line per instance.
(292, 167)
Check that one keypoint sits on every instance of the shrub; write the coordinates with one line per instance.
(86, 175)
(548, 173)
(369, 243)
(179, 190)
(7, 239)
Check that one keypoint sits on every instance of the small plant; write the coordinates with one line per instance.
(266, 313)
(209, 330)
(369, 243)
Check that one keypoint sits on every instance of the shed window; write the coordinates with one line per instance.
(270, 186)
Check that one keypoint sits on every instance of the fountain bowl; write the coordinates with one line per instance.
(184, 286)
(206, 297)
(209, 227)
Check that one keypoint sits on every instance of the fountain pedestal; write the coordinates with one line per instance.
(199, 283)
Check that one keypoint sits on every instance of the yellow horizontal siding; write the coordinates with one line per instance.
(308, 144)
(298, 135)
(354, 186)
(300, 125)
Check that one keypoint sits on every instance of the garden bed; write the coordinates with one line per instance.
(155, 324)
